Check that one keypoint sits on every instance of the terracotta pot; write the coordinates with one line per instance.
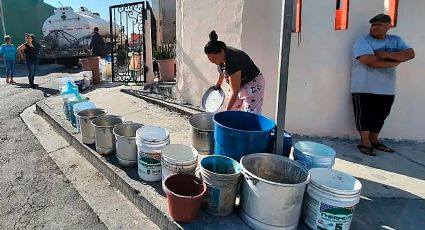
(166, 69)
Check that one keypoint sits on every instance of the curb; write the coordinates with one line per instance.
(172, 106)
(144, 201)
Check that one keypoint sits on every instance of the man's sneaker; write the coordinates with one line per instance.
(12, 81)
(7, 80)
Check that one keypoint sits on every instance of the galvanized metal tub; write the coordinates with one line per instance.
(202, 133)
(125, 143)
(273, 188)
(85, 118)
(103, 133)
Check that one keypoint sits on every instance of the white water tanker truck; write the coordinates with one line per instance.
(67, 35)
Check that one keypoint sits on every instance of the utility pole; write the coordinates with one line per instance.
(2, 18)
(285, 45)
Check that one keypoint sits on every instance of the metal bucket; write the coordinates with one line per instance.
(85, 118)
(272, 191)
(125, 144)
(103, 133)
(202, 133)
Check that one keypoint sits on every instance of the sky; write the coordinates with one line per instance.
(95, 6)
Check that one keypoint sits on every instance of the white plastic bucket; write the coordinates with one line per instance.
(330, 200)
(80, 107)
(178, 159)
(150, 140)
(149, 169)
(314, 155)
(221, 174)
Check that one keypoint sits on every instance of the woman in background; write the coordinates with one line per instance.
(29, 52)
(8, 50)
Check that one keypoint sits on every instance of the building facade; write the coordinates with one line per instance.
(319, 98)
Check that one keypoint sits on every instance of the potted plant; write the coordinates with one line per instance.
(165, 56)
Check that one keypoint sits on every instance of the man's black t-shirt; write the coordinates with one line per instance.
(238, 60)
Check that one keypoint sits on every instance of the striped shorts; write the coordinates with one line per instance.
(371, 110)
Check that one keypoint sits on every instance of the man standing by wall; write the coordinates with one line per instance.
(373, 77)
(97, 44)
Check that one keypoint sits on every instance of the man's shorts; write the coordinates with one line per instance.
(371, 110)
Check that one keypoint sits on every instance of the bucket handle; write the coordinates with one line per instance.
(249, 179)
(251, 183)
(203, 133)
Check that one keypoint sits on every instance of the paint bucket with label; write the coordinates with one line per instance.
(330, 200)
(314, 155)
(150, 140)
(178, 159)
(221, 174)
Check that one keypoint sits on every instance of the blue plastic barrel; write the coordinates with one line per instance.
(238, 133)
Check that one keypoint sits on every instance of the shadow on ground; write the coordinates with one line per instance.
(47, 92)
(408, 156)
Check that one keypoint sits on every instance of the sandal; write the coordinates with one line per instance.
(382, 147)
(366, 150)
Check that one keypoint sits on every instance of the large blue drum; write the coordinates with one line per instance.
(239, 133)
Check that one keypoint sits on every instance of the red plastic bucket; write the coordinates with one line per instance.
(184, 196)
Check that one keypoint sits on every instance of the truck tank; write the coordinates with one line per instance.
(67, 34)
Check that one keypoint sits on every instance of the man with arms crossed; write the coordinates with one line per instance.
(373, 77)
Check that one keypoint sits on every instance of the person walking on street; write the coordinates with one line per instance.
(97, 44)
(247, 83)
(8, 50)
(373, 77)
(29, 53)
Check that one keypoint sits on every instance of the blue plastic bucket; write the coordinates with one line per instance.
(221, 174)
(314, 155)
(238, 133)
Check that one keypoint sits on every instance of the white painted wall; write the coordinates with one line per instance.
(319, 99)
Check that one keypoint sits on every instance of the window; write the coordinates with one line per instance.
(341, 14)
(296, 27)
(391, 7)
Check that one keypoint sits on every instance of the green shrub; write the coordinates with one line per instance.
(165, 51)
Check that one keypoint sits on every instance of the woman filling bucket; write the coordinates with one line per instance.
(244, 77)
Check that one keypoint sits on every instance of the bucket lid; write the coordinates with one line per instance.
(178, 154)
(152, 134)
(335, 181)
(213, 99)
(314, 150)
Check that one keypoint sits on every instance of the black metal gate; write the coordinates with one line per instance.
(128, 47)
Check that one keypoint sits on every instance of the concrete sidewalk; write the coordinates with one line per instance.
(393, 183)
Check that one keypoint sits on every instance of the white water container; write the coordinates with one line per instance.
(178, 159)
(330, 200)
(150, 140)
